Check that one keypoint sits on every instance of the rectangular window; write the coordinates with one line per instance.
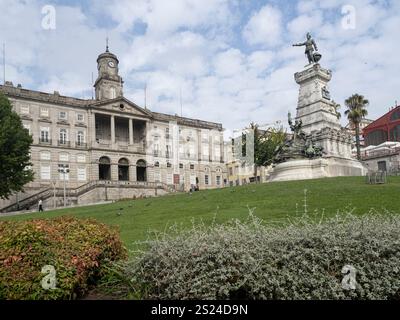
(168, 151)
(63, 136)
(155, 150)
(81, 174)
(205, 150)
(218, 178)
(24, 109)
(45, 155)
(169, 178)
(81, 158)
(64, 157)
(62, 115)
(63, 171)
(44, 134)
(217, 152)
(206, 179)
(167, 136)
(80, 138)
(192, 167)
(44, 112)
(181, 166)
(44, 172)
(80, 117)
(27, 127)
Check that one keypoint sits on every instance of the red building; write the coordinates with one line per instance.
(386, 128)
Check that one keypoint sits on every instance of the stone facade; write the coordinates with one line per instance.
(110, 138)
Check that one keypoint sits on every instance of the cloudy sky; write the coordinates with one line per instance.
(231, 59)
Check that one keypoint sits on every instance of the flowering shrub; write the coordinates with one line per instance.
(252, 260)
(76, 249)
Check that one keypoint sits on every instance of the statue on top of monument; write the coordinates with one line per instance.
(313, 57)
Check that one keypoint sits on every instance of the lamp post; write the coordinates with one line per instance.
(64, 169)
(53, 183)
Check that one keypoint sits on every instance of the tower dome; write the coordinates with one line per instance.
(108, 84)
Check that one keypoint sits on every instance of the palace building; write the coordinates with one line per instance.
(109, 148)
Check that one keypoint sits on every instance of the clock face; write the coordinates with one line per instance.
(111, 64)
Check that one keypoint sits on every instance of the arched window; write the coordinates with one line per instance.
(157, 164)
(104, 168)
(168, 164)
(141, 167)
(123, 169)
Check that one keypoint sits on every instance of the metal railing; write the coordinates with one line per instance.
(64, 143)
(44, 141)
(366, 155)
(76, 192)
(81, 145)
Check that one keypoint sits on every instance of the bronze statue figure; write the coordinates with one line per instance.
(298, 145)
(313, 57)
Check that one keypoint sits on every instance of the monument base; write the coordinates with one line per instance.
(304, 169)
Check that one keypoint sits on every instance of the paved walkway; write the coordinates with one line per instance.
(16, 213)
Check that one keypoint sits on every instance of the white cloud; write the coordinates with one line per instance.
(191, 46)
(264, 27)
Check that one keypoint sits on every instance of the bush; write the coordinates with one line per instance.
(76, 248)
(253, 261)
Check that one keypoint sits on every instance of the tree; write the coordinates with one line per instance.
(356, 111)
(15, 142)
(336, 107)
(265, 145)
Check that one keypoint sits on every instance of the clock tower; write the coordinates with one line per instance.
(108, 84)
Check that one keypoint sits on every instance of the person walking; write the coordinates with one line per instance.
(40, 205)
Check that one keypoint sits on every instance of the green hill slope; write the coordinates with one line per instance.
(273, 202)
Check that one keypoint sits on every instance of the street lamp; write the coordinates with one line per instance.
(64, 169)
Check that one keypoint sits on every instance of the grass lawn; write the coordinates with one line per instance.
(273, 202)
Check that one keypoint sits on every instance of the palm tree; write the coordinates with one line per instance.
(356, 111)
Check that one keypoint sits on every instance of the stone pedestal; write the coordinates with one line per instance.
(304, 169)
(314, 107)
(316, 111)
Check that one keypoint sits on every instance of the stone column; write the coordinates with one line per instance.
(130, 131)
(112, 129)
(92, 128)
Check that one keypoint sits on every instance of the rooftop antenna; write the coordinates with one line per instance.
(4, 63)
(180, 98)
(92, 87)
(145, 95)
(107, 44)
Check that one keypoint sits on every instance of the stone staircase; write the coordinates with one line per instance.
(81, 190)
